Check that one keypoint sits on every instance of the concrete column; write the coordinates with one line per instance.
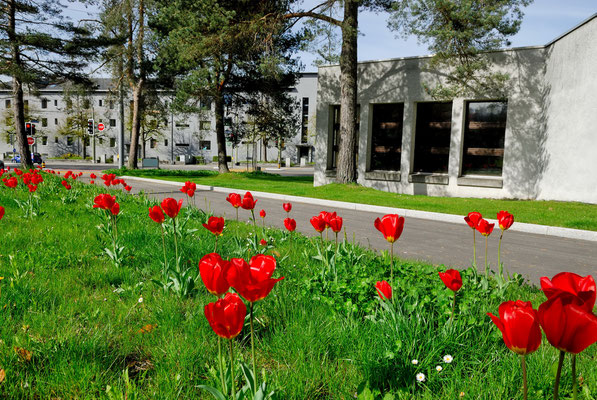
(408, 136)
(456, 140)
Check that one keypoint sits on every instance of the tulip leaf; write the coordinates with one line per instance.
(213, 391)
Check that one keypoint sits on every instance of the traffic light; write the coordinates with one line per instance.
(28, 128)
(32, 129)
(90, 126)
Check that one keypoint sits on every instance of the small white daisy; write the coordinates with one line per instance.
(415, 362)
(421, 377)
(448, 359)
(140, 299)
(438, 368)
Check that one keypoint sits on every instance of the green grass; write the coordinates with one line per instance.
(321, 334)
(554, 213)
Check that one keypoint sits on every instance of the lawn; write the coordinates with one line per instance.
(554, 213)
(75, 325)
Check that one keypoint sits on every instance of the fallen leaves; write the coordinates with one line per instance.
(24, 354)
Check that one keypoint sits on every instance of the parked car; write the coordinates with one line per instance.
(35, 157)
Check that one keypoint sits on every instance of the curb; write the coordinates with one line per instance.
(546, 230)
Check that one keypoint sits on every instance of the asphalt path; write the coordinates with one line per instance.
(449, 244)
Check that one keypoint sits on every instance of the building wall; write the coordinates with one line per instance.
(551, 111)
(188, 128)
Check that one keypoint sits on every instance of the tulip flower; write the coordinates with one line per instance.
(569, 282)
(92, 182)
(505, 221)
(104, 201)
(254, 282)
(248, 203)
(335, 223)
(391, 226)
(453, 281)
(263, 242)
(2, 211)
(235, 200)
(569, 327)
(519, 324)
(216, 226)
(290, 224)
(287, 207)
(115, 209)
(318, 223)
(262, 214)
(127, 188)
(227, 317)
(485, 228)
(172, 208)
(472, 219)
(213, 269)
(93, 176)
(384, 290)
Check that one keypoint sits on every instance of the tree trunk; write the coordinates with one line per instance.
(143, 144)
(220, 136)
(136, 124)
(84, 147)
(346, 166)
(17, 90)
(264, 142)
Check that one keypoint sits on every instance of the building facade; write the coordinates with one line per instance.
(539, 142)
(178, 137)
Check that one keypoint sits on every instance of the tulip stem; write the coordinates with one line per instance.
(163, 245)
(453, 307)
(253, 351)
(392, 263)
(175, 242)
(525, 389)
(500, 267)
(475, 247)
(220, 364)
(216, 246)
(574, 379)
(232, 370)
(486, 265)
(321, 237)
(254, 222)
(556, 387)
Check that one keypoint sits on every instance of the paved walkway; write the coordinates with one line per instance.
(445, 243)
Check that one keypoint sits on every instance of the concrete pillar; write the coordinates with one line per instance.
(456, 139)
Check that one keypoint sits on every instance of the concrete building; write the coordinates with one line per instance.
(540, 142)
(180, 136)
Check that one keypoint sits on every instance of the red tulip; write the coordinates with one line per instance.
(335, 223)
(93, 176)
(473, 218)
(215, 225)
(189, 188)
(505, 220)
(287, 207)
(226, 316)
(213, 269)
(171, 207)
(253, 281)
(569, 282)
(2, 211)
(290, 224)
(262, 213)
(32, 188)
(451, 279)
(519, 325)
(104, 201)
(11, 182)
(384, 290)
(115, 209)
(567, 324)
(191, 193)
(92, 182)
(248, 203)
(318, 223)
(156, 214)
(127, 188)
(262, 242)
(484, 227)
(325, 216)
(234, 199)
(390, 226)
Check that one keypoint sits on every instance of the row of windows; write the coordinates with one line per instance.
(483, 144)
(153, 143)
(203, 105)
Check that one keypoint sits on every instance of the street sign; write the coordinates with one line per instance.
(101, 127)
(30, 140)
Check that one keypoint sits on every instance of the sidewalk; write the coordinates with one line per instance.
(431, 237)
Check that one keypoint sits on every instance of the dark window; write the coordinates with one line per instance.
(55, 121)
(205, 144)
(182, 125)
(336, 133)
(101, 103)
(205, 105)
(432, 137)
(305, 120)
(205, 125)
(165, 142)
(153, 143)
(56, 140)
(112, 142)
(44, 122)
(7, 103)
(44, 140)
(386, 136)
(55, 103)
(69, 141)
(484, 132)
(101, 140)
(112, 122)
(44, 103)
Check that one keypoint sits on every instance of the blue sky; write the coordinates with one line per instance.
(544, 20)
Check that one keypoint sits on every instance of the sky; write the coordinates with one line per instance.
(544, 20)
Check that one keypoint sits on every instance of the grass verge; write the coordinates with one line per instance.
(553, 213)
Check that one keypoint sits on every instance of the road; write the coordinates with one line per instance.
(436, 242)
